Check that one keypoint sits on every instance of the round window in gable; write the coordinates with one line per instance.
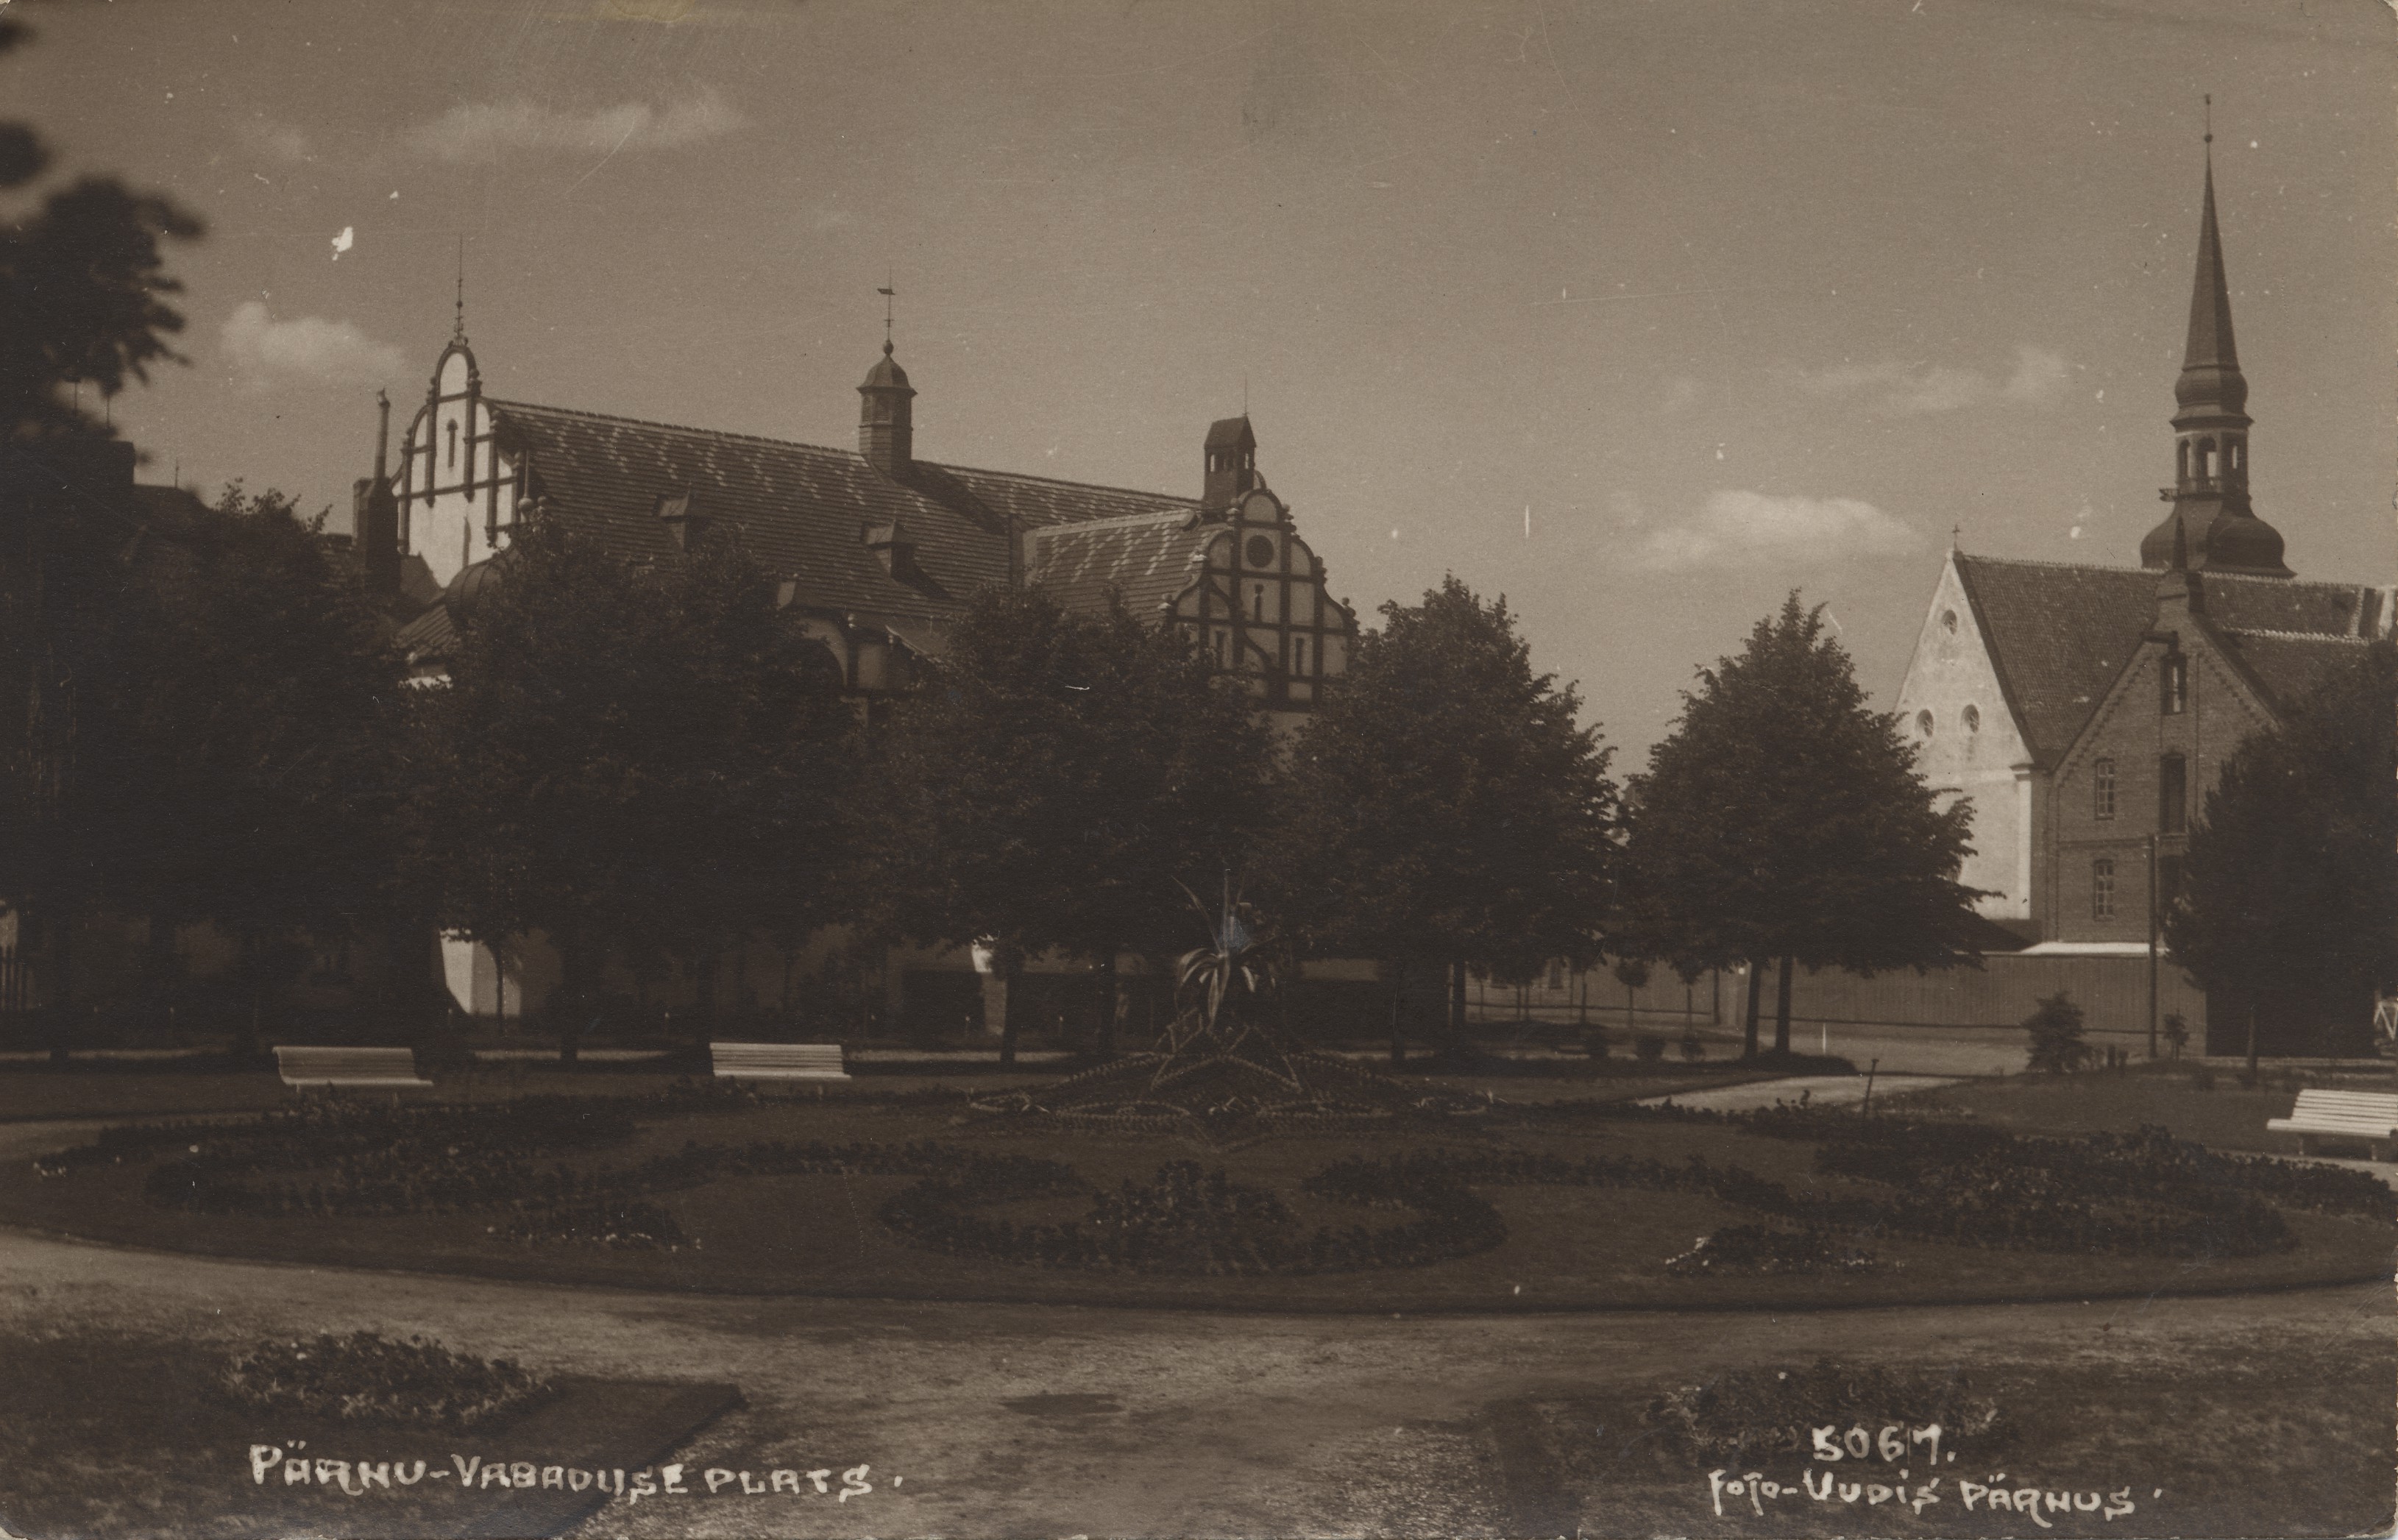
(1973, 719)
(1923, 723)
(1261, 552)
(1949, 621)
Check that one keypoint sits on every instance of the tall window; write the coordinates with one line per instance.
(2168, 882)
(2102, 788)
(2173, 794)
(2173, 685)
(1258, 602)
(2102, 888)
(1298, 655)
(453, 444)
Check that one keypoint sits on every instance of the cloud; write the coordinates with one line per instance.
(1746, 529)
(1915, 389)
(265, 352)
(478, 132)
(272, 141)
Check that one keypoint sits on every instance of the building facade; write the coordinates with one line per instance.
(2085, 711)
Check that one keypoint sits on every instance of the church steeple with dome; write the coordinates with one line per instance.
(2212, 520)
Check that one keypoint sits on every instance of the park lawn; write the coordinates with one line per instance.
(1568, 1247)
(2288, 1436)
(112, 1435)
(2229, 1117)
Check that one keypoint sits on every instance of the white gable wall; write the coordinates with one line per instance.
(1991, 765)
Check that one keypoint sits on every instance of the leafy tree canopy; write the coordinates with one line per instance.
(2290, 886)
(1783, 817)
(1442, 801)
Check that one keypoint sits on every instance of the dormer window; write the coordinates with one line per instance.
(1973, 719)
(1923, 724)
(1949, 621)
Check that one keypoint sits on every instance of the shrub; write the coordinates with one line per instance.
(2176, 1033)
(369, 1379)
(2203, 1080)
(1750, 1413)
(2056, 1030)
(1650, 1046)
(1692, 1049)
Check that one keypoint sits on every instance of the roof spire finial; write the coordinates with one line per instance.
(1957, 536)
(458, 321)
(2208, 98)
(890, 292)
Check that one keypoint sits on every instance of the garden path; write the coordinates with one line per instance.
(1034, 1420)
(1820, 1090)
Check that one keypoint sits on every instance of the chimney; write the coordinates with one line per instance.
(374, 516)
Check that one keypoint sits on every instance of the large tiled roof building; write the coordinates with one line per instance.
(2085, 711)
(877, 550)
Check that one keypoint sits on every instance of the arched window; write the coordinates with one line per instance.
(2102, 790)
(1923, 723)
(2173, 685)
(2206, 459)
(453, 444)
(1298, 655)
(1973, 719)
(1258, 601)
(2181, 461)
(2236, 454)
(2102, 888)
(1949, 621)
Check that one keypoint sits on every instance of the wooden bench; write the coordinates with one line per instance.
(778, 1061)
(2371, 1116)
(387, 1068)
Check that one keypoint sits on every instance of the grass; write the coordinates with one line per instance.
(2290, 1440)
(2229, 1117)
(1567, 1247)
(120, 1436)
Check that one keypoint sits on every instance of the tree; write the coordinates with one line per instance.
(82, 282)
(2055, 1029)
(1059, 783)
(1783, 818)
(635, 763)
(240, 743)
(2289, 892)
(1443, 803)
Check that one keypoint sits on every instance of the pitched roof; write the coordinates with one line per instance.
(1148, 560)
(802, 509)
(2059, 635)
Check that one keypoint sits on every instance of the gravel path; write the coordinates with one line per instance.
(1820, 1091)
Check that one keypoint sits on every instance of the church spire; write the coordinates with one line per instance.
(2212, 523)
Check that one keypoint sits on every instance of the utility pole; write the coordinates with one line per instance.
(2152, 946)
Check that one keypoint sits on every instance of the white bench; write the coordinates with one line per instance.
(778, 1061)
(389, 1069)
(2368, 1116)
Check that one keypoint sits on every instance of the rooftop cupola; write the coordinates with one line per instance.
(1232, 463)
(2218, 528)
(887, 420)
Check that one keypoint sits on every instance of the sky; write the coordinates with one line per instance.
(1640, 314)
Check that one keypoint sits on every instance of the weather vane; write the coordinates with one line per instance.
(890, 293)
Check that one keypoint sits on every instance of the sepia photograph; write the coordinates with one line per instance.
(1240, 768)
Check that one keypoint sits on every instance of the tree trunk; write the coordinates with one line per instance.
(1398, 1011)
(575, 996)
(703, 1004)
(1457, 1000)
(60, 1015)
(1782, 1010)
(2251, 1040)
(1106, 1040)
(1011, 969)
(1748, 1021)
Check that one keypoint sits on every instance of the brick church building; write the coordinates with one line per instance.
(2086, 710)
(877, 551)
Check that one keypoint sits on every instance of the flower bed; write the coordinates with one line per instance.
(364, 1378)
(1754, 1249)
